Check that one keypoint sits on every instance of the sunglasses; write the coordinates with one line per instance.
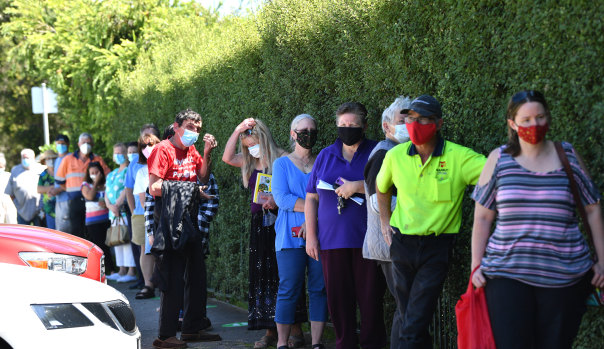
(526, 94)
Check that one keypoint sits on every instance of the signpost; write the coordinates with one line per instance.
(44, 101)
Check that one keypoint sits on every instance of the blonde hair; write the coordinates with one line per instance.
(269, 151)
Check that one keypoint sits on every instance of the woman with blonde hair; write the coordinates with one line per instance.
(257, 152)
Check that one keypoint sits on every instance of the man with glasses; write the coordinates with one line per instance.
(70, 176)
(175, 167)
(430, 175)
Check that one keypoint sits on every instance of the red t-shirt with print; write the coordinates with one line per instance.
(173, 164)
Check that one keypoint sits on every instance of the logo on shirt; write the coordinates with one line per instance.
(442, 172)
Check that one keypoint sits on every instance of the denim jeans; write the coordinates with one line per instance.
(420, 266)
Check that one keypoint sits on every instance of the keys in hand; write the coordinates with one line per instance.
(340, 204)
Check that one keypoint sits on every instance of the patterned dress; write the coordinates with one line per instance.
(114, 186)
(263, 272)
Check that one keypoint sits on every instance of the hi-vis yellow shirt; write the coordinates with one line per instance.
(429, 195)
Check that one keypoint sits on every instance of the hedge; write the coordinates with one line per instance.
(309, 56)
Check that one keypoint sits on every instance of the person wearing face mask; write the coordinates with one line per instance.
(257, 153)
(115, 200)
(535, 266)
(374, 246)
(61, 197)
(97, 215)
(137, 220)
(290, 175)
(146, 143)
(430, 175)
(70, 176)
(8, 212)
(335, 230)
(23, 188)
(45, 185)
(175, 168)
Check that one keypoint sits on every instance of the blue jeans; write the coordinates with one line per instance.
(293, 263)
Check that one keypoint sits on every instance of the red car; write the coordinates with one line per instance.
(51, 249)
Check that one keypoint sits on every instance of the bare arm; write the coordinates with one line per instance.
(594, 216)
(349, 188)
(155, 184)
(230, 156)
(209, 145)
(130, 199)
(481, 230)
(89, 193)
(311, 205)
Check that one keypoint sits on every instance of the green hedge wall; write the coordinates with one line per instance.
(309, 56)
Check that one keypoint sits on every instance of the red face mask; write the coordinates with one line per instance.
(532, 134)
(420, 133)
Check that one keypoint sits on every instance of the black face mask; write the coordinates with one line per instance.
(350, 135)
(306, 138)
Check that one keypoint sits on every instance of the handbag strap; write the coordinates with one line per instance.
(574, 189)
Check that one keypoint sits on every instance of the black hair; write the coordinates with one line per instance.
(154, 129)
(355, 108)
(101, 170)
(168, 132)
(186, 114)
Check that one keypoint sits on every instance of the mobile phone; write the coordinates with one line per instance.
(296, 231)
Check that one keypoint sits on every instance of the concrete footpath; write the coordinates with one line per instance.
(229, 321)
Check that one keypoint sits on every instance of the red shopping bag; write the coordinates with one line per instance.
(473, 323)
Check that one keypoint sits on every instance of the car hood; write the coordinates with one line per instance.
(38, 286)
(42, 239)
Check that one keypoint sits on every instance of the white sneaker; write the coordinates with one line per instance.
(113, 276)
(127, 278)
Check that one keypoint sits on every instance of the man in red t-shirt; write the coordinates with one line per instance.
(176, 159)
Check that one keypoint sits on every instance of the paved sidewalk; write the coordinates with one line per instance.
(229, 321)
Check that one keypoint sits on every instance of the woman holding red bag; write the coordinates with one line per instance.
(536, 266)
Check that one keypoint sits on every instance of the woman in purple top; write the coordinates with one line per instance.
(257, 152)
(536, 266)
(335, 229)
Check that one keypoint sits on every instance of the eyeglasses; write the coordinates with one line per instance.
(424, 120)
(247, 132)
(523, 95)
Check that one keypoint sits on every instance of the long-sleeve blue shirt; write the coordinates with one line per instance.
(288, 185)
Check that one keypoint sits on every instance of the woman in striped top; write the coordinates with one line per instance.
(536, 266)
(97, 214)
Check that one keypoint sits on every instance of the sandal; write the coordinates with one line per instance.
(145, 292)
(265, 342)
(295, 341)
(318, 346)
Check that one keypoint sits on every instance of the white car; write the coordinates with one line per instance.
(44, 309)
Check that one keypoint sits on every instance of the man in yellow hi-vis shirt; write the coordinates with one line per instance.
(430, 175)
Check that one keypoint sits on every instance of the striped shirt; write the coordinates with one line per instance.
(536, 239)
(95, 213)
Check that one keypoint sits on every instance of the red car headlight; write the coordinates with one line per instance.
(55, 261)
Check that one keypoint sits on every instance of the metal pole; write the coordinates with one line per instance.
(45, 113)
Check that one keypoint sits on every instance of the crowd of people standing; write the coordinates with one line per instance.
(343, 224)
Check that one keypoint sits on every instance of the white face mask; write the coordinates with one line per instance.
(85, 148)
(93, 177)
(254, 151)
(400, 133)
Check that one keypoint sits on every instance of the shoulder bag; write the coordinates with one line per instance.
(596, 297)
(117, 234)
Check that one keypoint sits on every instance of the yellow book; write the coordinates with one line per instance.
(262, 189)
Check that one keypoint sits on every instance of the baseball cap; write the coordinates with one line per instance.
(425, 105)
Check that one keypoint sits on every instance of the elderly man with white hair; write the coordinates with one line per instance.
(23, 188)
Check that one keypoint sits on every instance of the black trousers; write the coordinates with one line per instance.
(525, 316)
(97, 234)
(184, 287)
(419, 266)
(77, 216)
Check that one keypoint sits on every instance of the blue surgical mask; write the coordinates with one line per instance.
(401, 134)
(62, 148)
(26, 163)
(254, 151)
(119, 159)
(189, 138)
(133, 157)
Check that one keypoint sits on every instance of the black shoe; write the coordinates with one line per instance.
(206, 324)
(146, 292)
